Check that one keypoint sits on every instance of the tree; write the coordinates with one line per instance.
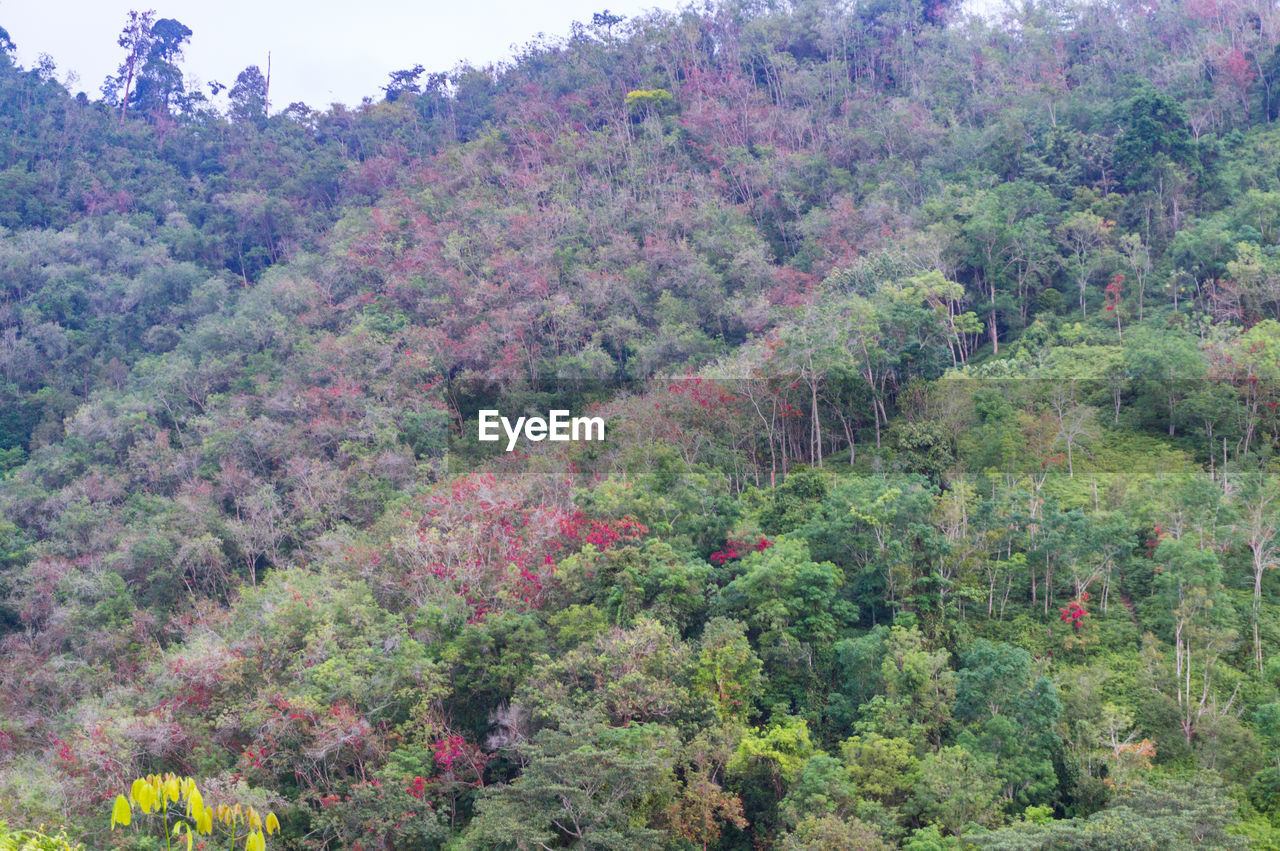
(918, 694)
(703, 807)
(1252, 362)
(404, 82)
(1083, 234)
(1264, 789)
(1259, 527)
(728, 669)
(1191, 585)
(1004, 240)
(823, 788)
(136, 39)
(160, 80)
(785, 595)
(822, 832)
(585, 783)
(628, 676)
(1154, 136)
(1137, 255)
(1074, 422)
(259, 529)
(779, 752)
(882, 769)
(956, 787)
(249, 96)
(606, 20)
(1013, 715)
(1166, 364)
(1178, 812)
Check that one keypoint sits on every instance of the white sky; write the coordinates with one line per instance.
(321, 52)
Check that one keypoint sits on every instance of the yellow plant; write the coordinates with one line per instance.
(183, 812)
(34, 840)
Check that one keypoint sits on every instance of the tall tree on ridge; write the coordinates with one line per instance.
(159, 78)
(136, 39)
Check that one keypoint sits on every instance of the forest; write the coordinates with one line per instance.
(940, 359)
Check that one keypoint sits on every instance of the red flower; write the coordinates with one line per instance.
(1073, 613)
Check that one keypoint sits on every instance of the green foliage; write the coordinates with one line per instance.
(728, 670)
(34, 840)
(1154, 137)
(769, 760)
(816, 832)
(639, 675)
(956, 788)
(584, 783)
(881, 768)
(783, 595)
(936, 399)
(918, 694)
(822, 788)
(647, 101)
(1148, 816)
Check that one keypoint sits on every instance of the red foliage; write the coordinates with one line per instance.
(578, 529)
(1074, 613)
(1159, 535)
(459, 761)
(1113, 291)
(1239, 70)
(736, 549)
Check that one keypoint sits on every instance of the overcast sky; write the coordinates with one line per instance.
(321, 52)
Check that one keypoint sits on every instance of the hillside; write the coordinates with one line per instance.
(940, 363)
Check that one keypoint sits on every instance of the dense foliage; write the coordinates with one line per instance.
(941, 363)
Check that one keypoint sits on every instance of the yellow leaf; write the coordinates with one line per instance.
(255, 842)
(146, 795)
(195, 803)
(273, 824)
(183, 827)
(205, 823)
(254, 820)
(171, 790)
(135, 791)
(121, 812)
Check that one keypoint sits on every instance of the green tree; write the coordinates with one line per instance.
(919, 692)
(728, 670)
(821, 832)
(822, 788)
(882, 769)
(1083, 234)
(160, 80)
(136, 39)
(586, 784)
(779, 752)
(955, 788)
(784, 595)
(1165, 365)
(249, 96)
(1154, 134)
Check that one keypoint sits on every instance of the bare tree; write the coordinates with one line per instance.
(1074, 422)
(258, 529)
(1260, 528)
